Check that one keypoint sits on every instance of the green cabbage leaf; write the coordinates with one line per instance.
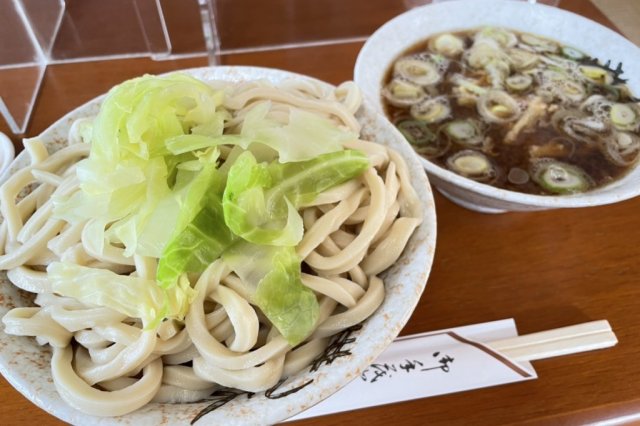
(133, 296)
(272, 276)
(261, 200)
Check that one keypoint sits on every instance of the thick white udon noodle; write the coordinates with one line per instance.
(352, 233)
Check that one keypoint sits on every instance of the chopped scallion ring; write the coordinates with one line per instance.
(560, 178)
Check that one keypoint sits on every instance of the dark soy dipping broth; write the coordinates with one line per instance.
(576, 123)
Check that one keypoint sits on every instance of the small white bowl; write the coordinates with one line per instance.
(26, 365)
(414, 26)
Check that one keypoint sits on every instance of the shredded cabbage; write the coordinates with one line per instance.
(133, 296)
(261, 200)
(153, 185)
(250, 214)
(126, 179)
(272, 276)
(304, 137)
(202, 235)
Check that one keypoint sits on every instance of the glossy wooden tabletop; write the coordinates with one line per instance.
(544, 269)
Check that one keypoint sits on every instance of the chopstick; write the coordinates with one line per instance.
(560, 341)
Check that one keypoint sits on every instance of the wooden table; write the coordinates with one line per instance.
(545, 269)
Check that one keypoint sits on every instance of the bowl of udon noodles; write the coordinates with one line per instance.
(225, 245)
(512, 106)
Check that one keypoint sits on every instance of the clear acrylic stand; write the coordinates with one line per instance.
(48, 32)
(23, 60)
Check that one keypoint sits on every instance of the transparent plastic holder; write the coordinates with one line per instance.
(49, 32)
(23, 61)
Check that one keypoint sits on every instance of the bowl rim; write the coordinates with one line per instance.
(598, 196)
(278, 409)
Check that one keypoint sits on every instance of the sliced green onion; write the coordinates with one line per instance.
(468, 85)
(503, 37)
(472, 164)
(403, 93)
(497, 106)
(571, 53)
(622, 148)
(423, 140)
(554, 75)
(572, 90)
(596, 74)
(496, 72)
(417, 132)
(466, 132)
(519, 82)
(539, 44)
(431, 110)
(483, 52)
(521, 59)
(448, 45)
(624, 116)
(560, 178)
(558, 61)
(460, 130)
(418, 70)
(625, 140)
(439, 60)
(577, 125)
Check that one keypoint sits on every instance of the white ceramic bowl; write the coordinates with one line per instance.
(402, 32)
(27, 366)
